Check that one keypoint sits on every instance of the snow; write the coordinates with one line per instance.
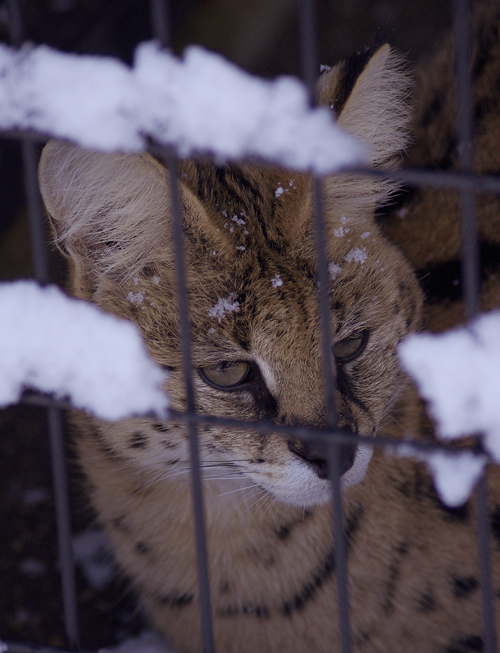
(276, 281)
(356, 254)
(3, 647)
(67, 347)
(455, 475)
(458, 373)
(195, 104)
(223, 306)
(334, 270)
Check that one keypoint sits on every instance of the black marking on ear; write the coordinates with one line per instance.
(465, 644)
(352, 68)
(138, 441)
(173, 600)
(442, 281)
(462, 587)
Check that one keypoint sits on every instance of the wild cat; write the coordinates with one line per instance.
(255, 330)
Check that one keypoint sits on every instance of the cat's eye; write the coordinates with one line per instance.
(350, 348)
(226, 375)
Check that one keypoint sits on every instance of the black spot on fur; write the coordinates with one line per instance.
(361, 638)
(283, 532)
(426, 602)
(142, 549)
(443, 281)
(308, 590)
(458, 515)
(388, 604)
(138, 441)
(466, 644)
(259, 611)
(163, 428)
(462, 587)
(119, 524)
(176, 601)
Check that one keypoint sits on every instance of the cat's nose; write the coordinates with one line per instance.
(316, 456)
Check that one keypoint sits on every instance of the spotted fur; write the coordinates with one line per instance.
(251, 274)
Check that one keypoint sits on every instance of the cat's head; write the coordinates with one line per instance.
(252, 282)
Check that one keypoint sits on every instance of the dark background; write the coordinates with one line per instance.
(262, 37)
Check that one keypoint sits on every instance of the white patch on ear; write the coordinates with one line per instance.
(358, 470)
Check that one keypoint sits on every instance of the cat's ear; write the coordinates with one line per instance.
(110, 211)
(369, 93)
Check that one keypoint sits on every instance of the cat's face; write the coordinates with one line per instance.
(253, 302)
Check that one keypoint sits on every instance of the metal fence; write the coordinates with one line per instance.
(463, 181)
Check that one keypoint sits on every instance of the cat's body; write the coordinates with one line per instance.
(413, 567)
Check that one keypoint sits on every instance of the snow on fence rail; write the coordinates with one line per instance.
(201, 103)
(69, 348)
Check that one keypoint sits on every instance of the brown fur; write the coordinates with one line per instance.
(413, 570)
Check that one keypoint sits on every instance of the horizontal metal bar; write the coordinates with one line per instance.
(411, 176)
(299, 431)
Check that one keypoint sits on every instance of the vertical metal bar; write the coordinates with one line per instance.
(470, 276)
(61, 496)
(161, 30)
(340, 548)
(490, 639)
(160, 22)
(308, 45)
(37, 231)
(41, 273)
(309, 52)
(470, 253)
(201, 547)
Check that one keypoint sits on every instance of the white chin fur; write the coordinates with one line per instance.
(358, 470)
(303, 487)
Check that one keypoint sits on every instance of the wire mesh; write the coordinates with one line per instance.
(464, 180)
